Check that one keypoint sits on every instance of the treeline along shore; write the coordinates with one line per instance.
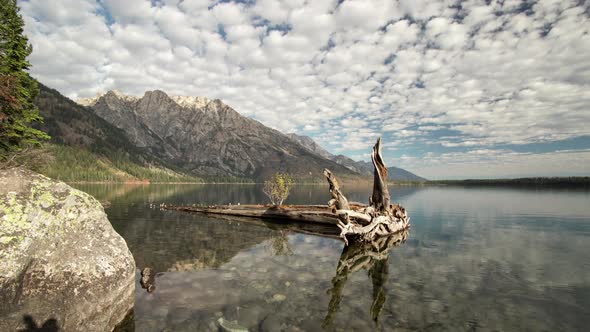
(563, 182)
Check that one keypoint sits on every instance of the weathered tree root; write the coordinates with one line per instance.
(378, 219)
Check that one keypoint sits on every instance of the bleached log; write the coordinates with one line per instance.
(380, 198)
(294, 213)
(377, 220)
(341, 203)
(356, 215)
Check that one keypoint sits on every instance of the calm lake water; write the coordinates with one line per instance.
(477, 259)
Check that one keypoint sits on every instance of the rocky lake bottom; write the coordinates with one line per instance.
(475, 259)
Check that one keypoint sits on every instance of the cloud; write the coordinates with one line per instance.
(497, 163)
(429, 75)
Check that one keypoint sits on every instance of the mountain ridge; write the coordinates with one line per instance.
(188, 137)
(182, 100)
(361, 167)
(207, 137)
(85, 147)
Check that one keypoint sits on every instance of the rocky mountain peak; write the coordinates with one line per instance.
(192, 102)
(217, 106)
(209, 138)
(91, 101)
(186, 102)
(308, 143)
(121, 95)
(156, 97)
(155, 94)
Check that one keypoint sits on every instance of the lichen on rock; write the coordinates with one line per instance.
(60, 258)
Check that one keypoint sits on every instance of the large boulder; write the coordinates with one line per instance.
(61, 262)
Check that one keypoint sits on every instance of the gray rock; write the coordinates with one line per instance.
(61, 262)
(148, 280)
(278, 298)
(230, 326)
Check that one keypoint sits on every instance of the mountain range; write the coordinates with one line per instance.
(85, 147)
(361, 167)
(187, 137)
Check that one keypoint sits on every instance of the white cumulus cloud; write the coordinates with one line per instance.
(425, 74)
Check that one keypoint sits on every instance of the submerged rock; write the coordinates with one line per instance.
(148, 280)
(230, 326)
(61, 261)
(278, 298)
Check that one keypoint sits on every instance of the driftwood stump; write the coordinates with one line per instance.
(380, 218)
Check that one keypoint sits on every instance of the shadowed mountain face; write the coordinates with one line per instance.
(71, 124)
(360, 167)
(208, 138)
(131, 125)
(86, 147)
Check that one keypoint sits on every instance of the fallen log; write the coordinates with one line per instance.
(356, 221)
(308, 228)
(319, 214)
(291, 213)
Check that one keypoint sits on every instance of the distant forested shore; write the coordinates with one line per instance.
(575, 181)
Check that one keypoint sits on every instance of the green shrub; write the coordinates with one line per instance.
(277, 188)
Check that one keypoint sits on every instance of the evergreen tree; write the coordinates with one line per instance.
(17, 88)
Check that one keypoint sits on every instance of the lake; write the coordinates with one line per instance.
(477, 259)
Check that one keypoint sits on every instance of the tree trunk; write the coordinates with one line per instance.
(338, 200)
(380, 218)
(380, 198)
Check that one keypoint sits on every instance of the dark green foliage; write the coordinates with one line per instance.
(226, 179)
(17, 89)
(72, 164)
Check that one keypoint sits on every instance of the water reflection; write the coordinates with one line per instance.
(210, 194)
(279, 245)
(486, 259)
(372, 257)
(172, 242)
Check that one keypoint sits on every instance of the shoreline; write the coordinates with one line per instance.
(149, 183)
(565, 182)
(367, 182)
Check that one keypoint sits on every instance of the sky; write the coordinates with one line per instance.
(456, 89)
